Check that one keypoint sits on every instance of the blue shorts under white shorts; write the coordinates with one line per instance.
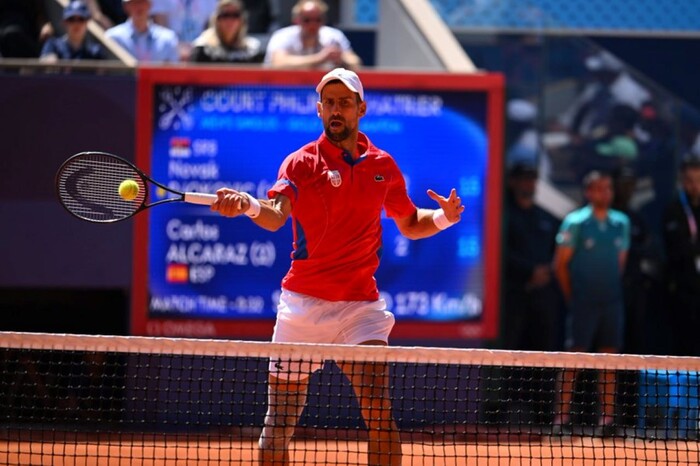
(305, 319)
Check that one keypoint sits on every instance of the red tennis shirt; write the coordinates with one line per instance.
(336, 213)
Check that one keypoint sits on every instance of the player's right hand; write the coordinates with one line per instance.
(230, 203)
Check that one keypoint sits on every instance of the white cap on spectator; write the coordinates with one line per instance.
(603, 61)
(521, 110)
(347, 77)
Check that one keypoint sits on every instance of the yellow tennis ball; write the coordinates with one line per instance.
(128, 190)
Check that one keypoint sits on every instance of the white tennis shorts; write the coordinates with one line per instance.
(305, 319)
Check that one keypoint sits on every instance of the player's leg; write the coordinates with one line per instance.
(285, 402)
(369, 323)
(288, 379)
(370, 382)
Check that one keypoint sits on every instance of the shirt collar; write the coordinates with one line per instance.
(134, 33)
(328, 148)
(589, 213)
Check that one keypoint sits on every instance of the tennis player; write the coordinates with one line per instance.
(335, 188)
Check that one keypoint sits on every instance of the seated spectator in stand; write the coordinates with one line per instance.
(24, 26)
(146, 41)
(188, 18)
(610, 85)
(74, 45)
(522, 138)
(309, 43)
(616, 146)
(227, 39)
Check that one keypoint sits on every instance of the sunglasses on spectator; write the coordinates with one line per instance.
(76, 19)
(229, 15)
(308, 19)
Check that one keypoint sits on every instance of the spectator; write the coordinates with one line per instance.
(309, 43)
(615, 147)
(532, 301)
(74, 45)
(590, 257)
(522, 143)
(188, 18)
(683, 259)
(146, 41)
(610, 85)
(227, 40)
(24, 26)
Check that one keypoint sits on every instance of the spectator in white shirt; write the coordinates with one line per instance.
(309, 43)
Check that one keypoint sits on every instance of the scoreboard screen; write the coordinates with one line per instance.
(199, 274)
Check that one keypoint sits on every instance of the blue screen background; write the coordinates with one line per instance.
(201, 265)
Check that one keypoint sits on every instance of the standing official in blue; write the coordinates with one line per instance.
(591, 252)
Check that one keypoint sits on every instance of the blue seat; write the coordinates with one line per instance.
(669, 403)
(684, 403)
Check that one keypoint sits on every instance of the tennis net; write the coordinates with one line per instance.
(109, 400)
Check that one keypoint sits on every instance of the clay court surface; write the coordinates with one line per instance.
(575, 451)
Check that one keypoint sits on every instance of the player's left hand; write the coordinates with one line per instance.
(452, 205)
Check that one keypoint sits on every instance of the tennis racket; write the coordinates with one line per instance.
(88, 187)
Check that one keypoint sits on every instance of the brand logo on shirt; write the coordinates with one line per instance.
(378, 178)
(334, 176)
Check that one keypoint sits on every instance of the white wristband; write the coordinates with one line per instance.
(254, 208)
(440, 220)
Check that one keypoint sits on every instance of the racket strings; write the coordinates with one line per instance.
(88, 186)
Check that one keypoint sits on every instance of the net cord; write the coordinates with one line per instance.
(362, 353)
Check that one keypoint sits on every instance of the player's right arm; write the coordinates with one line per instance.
(269, 214)
(274, 212)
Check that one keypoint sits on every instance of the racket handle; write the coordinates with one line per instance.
(200, 198)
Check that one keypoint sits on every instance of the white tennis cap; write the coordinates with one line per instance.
(347, 77)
